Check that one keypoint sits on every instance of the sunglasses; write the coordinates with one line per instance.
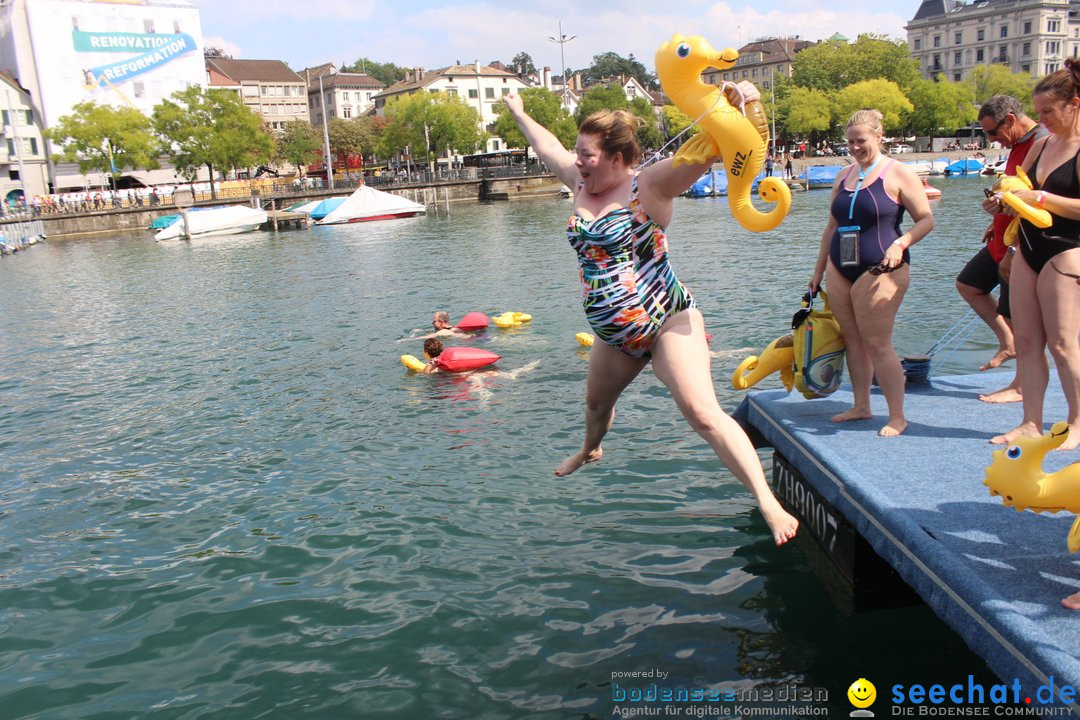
(881, 268)
(994, 132)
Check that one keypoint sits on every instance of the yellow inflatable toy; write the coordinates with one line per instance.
(1016, 475)
(511, 319)
(727, 130)
(779, 355)
(585, 339)
(413, 363)
(1004, 186)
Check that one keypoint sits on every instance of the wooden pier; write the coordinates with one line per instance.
(277, 219)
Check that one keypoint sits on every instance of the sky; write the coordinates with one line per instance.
(429, 34)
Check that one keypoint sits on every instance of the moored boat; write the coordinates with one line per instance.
(368, 204)
(820, 176)
(932, 193)
(208, 222)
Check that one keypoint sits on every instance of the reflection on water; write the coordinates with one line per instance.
(222, 495)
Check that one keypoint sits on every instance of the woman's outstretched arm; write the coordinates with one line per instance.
(544, 143)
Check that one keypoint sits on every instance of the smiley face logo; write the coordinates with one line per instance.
(862, 693)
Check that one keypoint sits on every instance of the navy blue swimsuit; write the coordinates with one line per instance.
(878, 217)
(1038, 245)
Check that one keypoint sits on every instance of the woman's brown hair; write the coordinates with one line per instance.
(617, 130)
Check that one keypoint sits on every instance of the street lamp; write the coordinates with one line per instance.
(327, 160)
(562, 40)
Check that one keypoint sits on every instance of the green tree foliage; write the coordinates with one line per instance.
(387, 73)
(989, 80)
(212, 128)
(940, 106)
(612, 65)
(350, 137)
(546, 108)
(804, 111)
(451, 123)
(881, 94)
(522, 64)
(834, 65)
(298, 144)
(675, 120)
(613, 97)
(649, 134)
(104, 138)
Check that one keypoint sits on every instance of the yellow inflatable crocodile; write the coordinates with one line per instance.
(1004, 186)
(1016, 475)
(727, 131)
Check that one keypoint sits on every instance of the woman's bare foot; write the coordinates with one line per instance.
(1008, 394)
(1072, 440)
(1003, 355)
(893, 428)
(1072, 601)
(783, 524)
(1024, 430)
(852, 414)
(576, 460)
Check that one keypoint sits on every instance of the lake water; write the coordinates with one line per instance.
(221, 495)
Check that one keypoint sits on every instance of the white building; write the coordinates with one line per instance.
(114, 52)
(344, 95)
(23, 165)
(481, 86)
(952, 37)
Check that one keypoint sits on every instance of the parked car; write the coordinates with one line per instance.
(840, 149)
(900, 149)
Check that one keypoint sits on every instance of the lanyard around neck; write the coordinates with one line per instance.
(858, 184)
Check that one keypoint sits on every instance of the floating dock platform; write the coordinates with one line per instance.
(995, 575)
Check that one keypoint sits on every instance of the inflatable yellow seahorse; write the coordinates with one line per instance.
(778, 356)
(1016, 475)
(1005, 185)
(727, 132)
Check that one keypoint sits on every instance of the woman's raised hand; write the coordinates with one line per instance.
(514, 103)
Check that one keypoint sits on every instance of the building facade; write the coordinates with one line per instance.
(24, 171)
(481, 86)
(952, 37)
(760, 62)
(268, 87)
(344, 95)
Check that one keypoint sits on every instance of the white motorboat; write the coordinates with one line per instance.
(368, 204)
(207, 222)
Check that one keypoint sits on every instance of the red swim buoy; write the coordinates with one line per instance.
(460, 359)
(473, 321)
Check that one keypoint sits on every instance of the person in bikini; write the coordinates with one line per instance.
(1044, 297)
(1002, 119)
(633, 300)
(866, 257)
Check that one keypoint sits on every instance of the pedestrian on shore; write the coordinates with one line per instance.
(865, 256)
(768, 165)
(1044, 299)
(789, 171)
(1002, 119)
(618, 231)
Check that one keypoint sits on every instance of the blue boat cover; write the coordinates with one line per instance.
(326, 207)
(967, 166)
(817, 176)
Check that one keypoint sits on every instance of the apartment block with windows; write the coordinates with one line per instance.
(952, 37)
(760, 62)
(23, 163)
(344, 94)
(272, 91)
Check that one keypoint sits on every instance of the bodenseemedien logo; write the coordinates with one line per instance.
(862, 695)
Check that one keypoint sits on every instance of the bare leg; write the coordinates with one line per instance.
(681, 361)
(1011, 392)
(860, 369)
(985, 306)
(1030, 350)
(875, 301)
(1072, 601)
(1058, 298)
(610, 371)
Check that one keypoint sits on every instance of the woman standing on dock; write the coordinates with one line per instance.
(866, 260)
(1043, 296)
(634, 302)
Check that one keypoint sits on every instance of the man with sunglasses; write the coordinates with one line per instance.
(1003, 119)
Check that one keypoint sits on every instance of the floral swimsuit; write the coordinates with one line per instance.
(628, 287)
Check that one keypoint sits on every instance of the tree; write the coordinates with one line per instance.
(449, 121)
(546, 108)
(610, 64)
(298, 144)
(989, 80)
(105, 138)
(675, 121)
(350, 137)
(805, 110)
(215, 52)
(833, 64)
(523, 64)
(386, 73)
(212, 128)
(600, 97)
(940, 105)
(881, 94)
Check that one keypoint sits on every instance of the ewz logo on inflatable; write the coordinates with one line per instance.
(975, 694)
